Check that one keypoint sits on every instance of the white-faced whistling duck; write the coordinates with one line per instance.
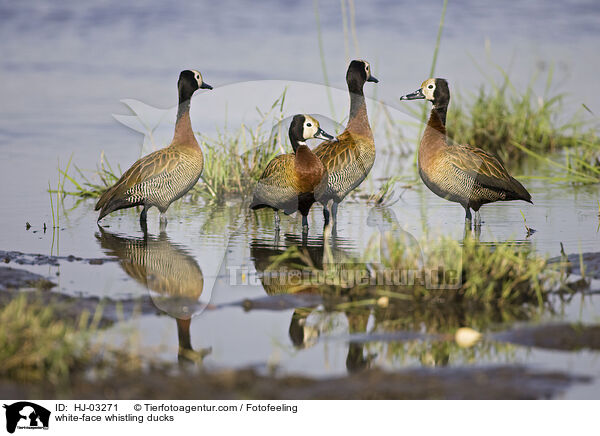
(349, 159)
(165, 175)
(460, 173)
(289, 180)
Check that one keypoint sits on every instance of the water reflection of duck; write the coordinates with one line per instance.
(356, 360)
(168, 270)
(287, 279)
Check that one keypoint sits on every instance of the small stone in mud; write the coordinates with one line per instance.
(27, 226)
(96, 261)
(466, 337)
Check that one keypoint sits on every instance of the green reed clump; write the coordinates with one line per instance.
(501, 118)
(233, 161)
(85, 187)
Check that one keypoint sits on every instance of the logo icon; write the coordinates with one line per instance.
(26, 415)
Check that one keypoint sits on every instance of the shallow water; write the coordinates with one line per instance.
(65, 67)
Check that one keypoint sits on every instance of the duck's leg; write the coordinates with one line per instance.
(325, 215)
(277, 219)
(334, 208)
(143, 222)
(468, 216)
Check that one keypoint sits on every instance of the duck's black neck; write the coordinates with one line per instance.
(183, 125)
(437, 118)
(357, 97)
(358, 120)
(184, 106)
(296, 143)
(441, 111)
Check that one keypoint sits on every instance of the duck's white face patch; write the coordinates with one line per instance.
(428, 87)
(367, 69)
(310, 128)
(198, 77)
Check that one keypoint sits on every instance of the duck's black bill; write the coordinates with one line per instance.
(205, 86)
(373, 79)
(417, 95)
(321, 134)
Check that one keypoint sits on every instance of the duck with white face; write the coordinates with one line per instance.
(289, 180)
(463, 174)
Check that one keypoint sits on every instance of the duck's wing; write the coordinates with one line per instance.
(485, 169)
(337, 155)
(276, 187)
(156, 165)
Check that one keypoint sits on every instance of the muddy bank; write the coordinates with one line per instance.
(463, 383)
(12, 278)
(65, 307)
(42, 259)
(563, 337)
(591, 264)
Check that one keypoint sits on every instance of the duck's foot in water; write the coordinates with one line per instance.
(325, 216)
(334, 208)
(163, 221)
(478, 221)
(277, 220)
(304, 224)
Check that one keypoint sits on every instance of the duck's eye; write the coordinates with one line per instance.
(197, 77)
(430, 86)
(308, 125)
